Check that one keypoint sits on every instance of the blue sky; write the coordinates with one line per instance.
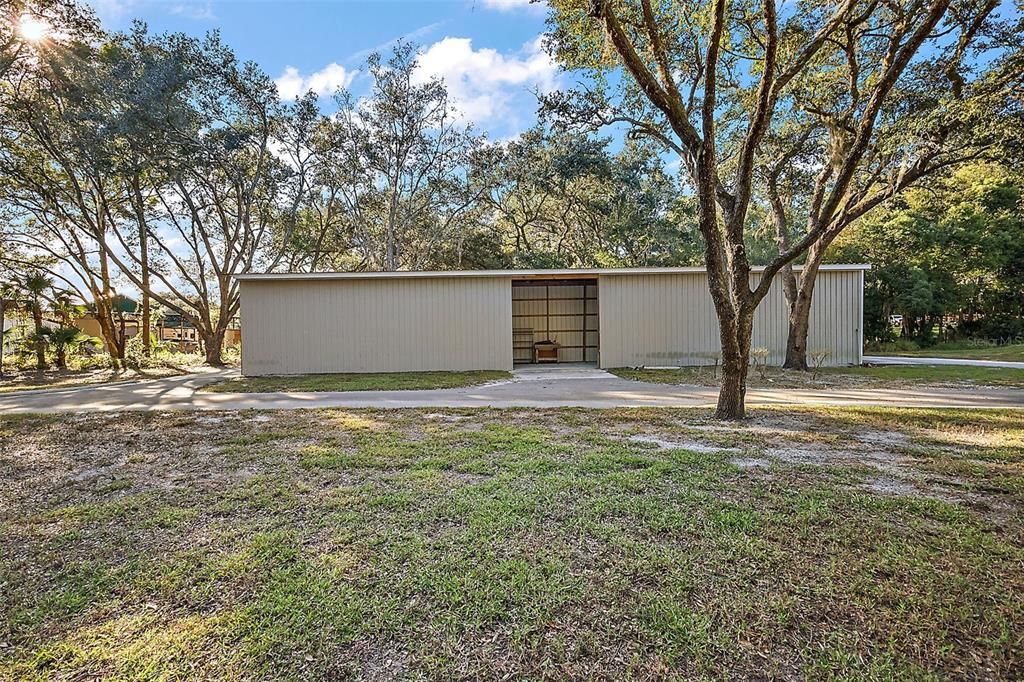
(487, 50)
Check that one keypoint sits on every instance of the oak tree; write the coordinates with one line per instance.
(714, 80)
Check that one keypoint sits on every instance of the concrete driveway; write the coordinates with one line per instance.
(533, 387)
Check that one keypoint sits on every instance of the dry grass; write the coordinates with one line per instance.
(646, 543)
(370, 381)
(867, 376)
(30, 380)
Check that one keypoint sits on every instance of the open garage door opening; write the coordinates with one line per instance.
(555, 321)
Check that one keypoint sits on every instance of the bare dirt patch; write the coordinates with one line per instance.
(692, 446)
(830, 456)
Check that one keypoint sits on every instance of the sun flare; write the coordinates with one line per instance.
(33, 29)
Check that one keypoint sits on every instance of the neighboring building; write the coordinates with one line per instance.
(126, 325)
(177, 328)
(466, 320)
(126, 321)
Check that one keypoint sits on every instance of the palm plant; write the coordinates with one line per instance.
(35, 285)
(65, 340)
(65, 308)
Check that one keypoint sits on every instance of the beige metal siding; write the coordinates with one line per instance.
(376, 325)
(669, 320)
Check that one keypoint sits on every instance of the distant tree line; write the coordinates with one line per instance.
(163, 164)
(947, 260)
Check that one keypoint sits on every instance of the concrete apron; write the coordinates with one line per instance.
(530, 387)
(556, 372)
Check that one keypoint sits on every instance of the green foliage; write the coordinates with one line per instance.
(65, 346)
(166, 355)
(69, 341)
(951, 254)
(565, 199)
(977, 349)
(396, 164)
(135, 355)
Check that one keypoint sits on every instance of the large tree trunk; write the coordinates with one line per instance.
(146, 324)
(213, 345)
(796, 350)
(105, 309)
(140, 212)
(800, 309)
(106, 322)
(391, 238)
(796, 343)
(735, 336)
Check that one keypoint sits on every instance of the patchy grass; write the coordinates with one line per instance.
(644, 543)
(386, 381)
(962, 349)
(867, 376)
(934, 374)
(30, 380)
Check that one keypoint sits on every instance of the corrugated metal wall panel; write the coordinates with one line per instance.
(669, 320)
(380, 325)
(296, 326)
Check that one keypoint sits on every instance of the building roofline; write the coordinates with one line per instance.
(567, 273)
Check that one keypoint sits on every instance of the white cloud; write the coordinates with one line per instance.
(506, 5)
(111, 10)
(197, 11)
(412, 36)
(484, 83)
(291, 84)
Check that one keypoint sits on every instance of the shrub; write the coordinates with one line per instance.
(818, 356)
(1000, 329)
(759, 359)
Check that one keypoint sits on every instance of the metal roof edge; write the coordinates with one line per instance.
(567, 272)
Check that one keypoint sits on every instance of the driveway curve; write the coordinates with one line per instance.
(584, 387)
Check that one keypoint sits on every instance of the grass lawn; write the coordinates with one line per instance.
(938, 374)
(385, 381)
(33, 380)
(874, 376)
(1009, 353)
(647, 543)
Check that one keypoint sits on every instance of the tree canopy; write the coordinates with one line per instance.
(946, 258)
(819, 111)
(725, 133)
(162, 164)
